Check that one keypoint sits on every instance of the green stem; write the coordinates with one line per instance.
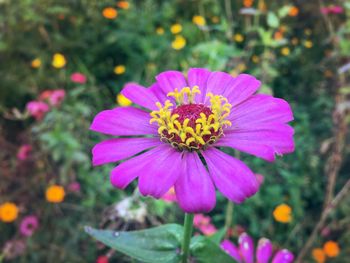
(229, 214)
(188, 225)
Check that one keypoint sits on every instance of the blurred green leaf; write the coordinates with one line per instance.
(272, 20)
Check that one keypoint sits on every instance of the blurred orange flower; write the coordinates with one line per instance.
(215, 19)
(110, 13)
(293, 11)
(319, 255)
(120, 69)
(36, 63)
(283, 213)
(331, 249)
(248, 3)
(123, 4)
(198, 20)
(55, 194)
(278, 35)
(8, 212)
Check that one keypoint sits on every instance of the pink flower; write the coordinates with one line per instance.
(78, 78)
(102, 259)
(37, 109)
(203, 223)
(74, 187)
(332, 9)
(57, 97)
(170, 196)
(190, 118)
(244, 253)
(28, 225)
(45, 95)
(24, 152)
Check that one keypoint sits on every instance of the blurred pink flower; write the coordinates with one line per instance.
(244, 252)
(28, 225)
(332, 9)
(260, 178)
(37, 109)
(74, 187)
(203, 223)
(45, 95)
(57, 97)
(24, 152)
(102, 259)
(77, 77)
(170, 196)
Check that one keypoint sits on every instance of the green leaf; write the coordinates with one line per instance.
(272, 20)
(155, 245)
(204, 250)
(282, 12)
(218, 236)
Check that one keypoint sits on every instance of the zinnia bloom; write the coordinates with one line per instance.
(109, 13)
(170, 196)
(332, 9)
(178, 43)
(56, 97)
(28, 225)
(331, 249)
(319, 255)
(55, 194)
(120, 69)
(36, 63)
(24, 152)
(37, 109)
(58, 60)
(283, 213)
(123, 4)
(8, 212)
(198, 20)
(244, 253)
(183, 123)
(176, 28)
(293, 11)
(203, 223)
(77, 77)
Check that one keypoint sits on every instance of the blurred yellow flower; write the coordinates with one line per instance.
(331, 249)
(283, 213)
(55, 194)
(295, 41)
(120, 69)
(308, 44)
(318, 255)
(123, 4)
(160, 30)
(109, 13)
(123, 101)
(176, 28)
(36, 63)
(255, 59)
(178, 43)
(248, 3)
(8, 212)
(241, 67)
(293, 11)
(285, 51)
(215, 19)
(198, 20)
(262, 6)
(58, 60)
(238, 37)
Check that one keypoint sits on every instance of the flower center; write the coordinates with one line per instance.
(188, 125)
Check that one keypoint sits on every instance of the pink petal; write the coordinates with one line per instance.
(123, 121)
(246, 248)
(264, 251)
(283, 256)
(231, 249)
(241, 88)
(194, 189)
(114, 150)
(217, 83)
(260, 109)
(160, 169)
(140, 95)
(199, 77)
(231, 176)
(169, 80)
(264, 140)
